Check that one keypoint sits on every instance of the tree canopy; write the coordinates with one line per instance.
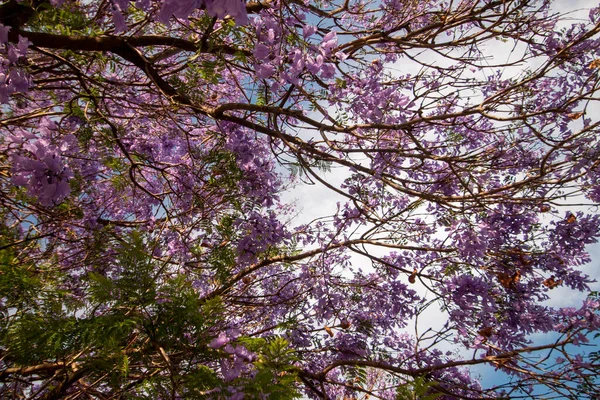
(147, 252)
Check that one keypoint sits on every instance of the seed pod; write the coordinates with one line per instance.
(486, 332)
(413, 277)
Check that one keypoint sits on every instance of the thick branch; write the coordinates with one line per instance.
(114, 43)
(33, 369)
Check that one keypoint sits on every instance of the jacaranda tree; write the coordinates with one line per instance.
(145, 251)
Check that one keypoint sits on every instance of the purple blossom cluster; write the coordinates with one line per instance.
(13, 78)
(259, 234)
(239, 360)
(221, 9)
(258, 179)
(39, 167)
(274, 61)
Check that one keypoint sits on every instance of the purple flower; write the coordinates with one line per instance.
(230, 370)
(265, 71)
(142, 4)
(5, 89)
(219, 341)
(44, 174)
(329, 41)
(119, 20)
(308, 30)
(4, 33)
(23, 45)
(177, 8)
(19, 80)
(314, 65)
(233, 8)
(261, 51)
(262, 232)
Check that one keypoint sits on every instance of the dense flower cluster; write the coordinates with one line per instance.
(39, 167)
(13, 78)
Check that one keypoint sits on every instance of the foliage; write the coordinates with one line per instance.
(146, 251)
